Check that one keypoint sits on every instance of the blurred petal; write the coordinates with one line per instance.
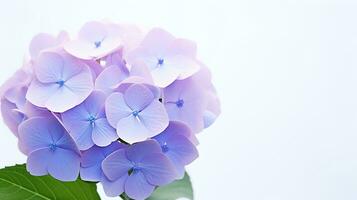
(40, 42)
(183, 47)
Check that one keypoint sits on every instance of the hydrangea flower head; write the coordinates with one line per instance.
(116, 105)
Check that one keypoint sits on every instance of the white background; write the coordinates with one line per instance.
(285, 71)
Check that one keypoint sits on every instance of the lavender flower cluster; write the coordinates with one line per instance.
(115, 105)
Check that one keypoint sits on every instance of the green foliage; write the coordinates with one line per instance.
(16, 183)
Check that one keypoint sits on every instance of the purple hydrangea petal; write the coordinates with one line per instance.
(116, 108)
(63, 88)
(186, 66)
(137, 187)
(38, 93)
(138, 151)
(43, 138)
(158, 169)
(40, 42)
(131, 129)
(48, 67)
(37, 162)
(64, 165)
(137, 97)
(155, 118)
(110, 78)
(95, 40)
(38, 133)
(92, 31)
(44, 41)
(184, 47)
(186, 102)
(114, 188)
(103, 134)
(11, 115)
(158, 40)
(116, 165)
(92, 173)
(126, 83)
(91, 161)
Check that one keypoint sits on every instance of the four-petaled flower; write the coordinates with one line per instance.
(87, 123)
(60, 83)
(176, 145)
(50, 149)
(138, 169)
(95, 40)
(136, 114)
(168, 58)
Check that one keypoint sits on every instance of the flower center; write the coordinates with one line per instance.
(160, 61)
(60, 83)
(98, 44)
(165, 148)
(91, 119)
(134, 170)
(53, 147)
(135, 113)
(180, 103)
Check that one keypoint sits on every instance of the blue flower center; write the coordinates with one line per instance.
(98, 44)
(160, 61)
(134, 170)
(179, 103)
(135, 113)
(164, 148)
(53, 147)
(91, 119)
(60, 83)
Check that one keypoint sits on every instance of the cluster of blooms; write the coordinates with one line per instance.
(115, 105)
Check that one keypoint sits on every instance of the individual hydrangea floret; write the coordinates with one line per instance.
(136, 114)
(176, 145)
(50, 149)
(87, 123)
(60, 83)
(140, 168)
(168, 58)
(95, 40)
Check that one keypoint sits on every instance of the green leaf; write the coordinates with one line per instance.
(16, 183)
(178, 189)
